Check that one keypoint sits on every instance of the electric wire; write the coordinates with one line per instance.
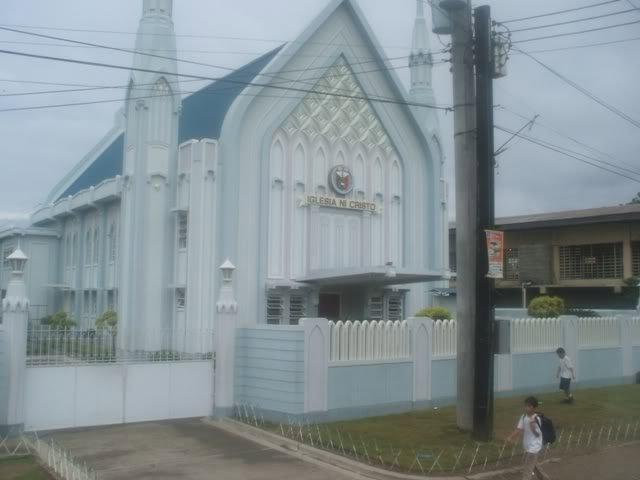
(224, 80)
(583, 90)
(568, 22)
(566, 34)
(558, 12)
(563, 151)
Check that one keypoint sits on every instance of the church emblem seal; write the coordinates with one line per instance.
(341, 180)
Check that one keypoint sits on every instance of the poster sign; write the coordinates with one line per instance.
(495, 249)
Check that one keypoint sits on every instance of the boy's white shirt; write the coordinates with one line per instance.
(565, 367)
(530, 442)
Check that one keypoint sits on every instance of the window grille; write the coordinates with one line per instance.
(183, 227)
(275, 308)
(376, 308)
(86, 307)
(181, 298)
(297, 308)
(111, 300)
(511, 264)
(635, 259)
(585, 262)
(395, 307)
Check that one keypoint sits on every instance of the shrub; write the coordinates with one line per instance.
(582, 313)
(546, 307)
(60, 320)
(435, 313)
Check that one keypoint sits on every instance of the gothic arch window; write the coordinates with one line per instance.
(276, 210)
(74, 250)
(359, 176)
(395, 214)
(160, 111)
(377, 177)
(67, 250)
(320, 171)
(298, 215)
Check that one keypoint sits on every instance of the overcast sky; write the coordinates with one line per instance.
(38, 147)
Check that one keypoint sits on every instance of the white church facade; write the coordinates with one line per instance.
(315, 172)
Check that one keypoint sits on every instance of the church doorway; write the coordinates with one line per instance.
(329, 306)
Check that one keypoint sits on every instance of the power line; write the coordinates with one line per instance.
(563, 151)
(558, 12)
(577, 33)
(578, 142)
(584, 91)
(587, 45)
(568, 22)
(225, 80)
(178, 35)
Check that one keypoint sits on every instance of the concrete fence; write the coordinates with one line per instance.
(369, 340)
(444, 338)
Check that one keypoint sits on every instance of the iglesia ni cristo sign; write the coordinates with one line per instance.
(336, 202)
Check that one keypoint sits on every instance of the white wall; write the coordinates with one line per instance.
(78, 396)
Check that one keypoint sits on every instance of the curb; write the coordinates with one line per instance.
(332, 461)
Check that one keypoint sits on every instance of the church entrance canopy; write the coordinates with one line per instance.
(374, 276)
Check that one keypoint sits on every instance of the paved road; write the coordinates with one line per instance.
(185, 449)
(619, 463)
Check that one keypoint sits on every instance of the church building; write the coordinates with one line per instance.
(311, 169)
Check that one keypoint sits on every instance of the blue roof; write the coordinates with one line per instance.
(203, 112)
(107, 165)
(202, 116)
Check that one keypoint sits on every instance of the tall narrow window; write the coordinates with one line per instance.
(87, 247)
(74, 250)
(183, 229)
(297, 308)
(635, 259)
(96, 246)
(112, 242)
(181, 298)
(275, 309)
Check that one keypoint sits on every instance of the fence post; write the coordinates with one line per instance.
(422, 352)
(15, 308)
(626, 342)
(570, 339)
(316, 364)
(225, 342)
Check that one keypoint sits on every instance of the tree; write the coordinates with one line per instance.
(635, 200)
(108, 321)
(60, 320)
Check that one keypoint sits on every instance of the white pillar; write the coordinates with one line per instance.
(626, 342)
(316, 364)
(225, 341)
(570, 338)
(15, 308)
(421, 350)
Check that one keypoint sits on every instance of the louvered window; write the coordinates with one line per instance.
(376, 308)
(395, 308)
(274, 308)
(297, 308)
(635, 259)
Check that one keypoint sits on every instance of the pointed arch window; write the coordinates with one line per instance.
(87, 247)
(96, 246)
(112, 242)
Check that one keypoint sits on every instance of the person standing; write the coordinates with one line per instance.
(566, 373)
(529, 426)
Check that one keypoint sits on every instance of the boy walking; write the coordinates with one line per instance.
(529, 427)
(566, 373)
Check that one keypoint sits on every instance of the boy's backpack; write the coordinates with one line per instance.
(547, 429)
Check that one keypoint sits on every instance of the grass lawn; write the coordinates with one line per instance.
(427, 433)
(22, 468)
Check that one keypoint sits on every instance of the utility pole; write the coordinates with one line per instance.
(466, 196)
(485, 218)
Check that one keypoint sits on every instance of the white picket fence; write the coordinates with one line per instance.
(444, 341)
(369, 340)
(635, 330)
(535, 334)
(598, 331)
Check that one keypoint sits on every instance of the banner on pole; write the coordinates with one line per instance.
(495, 253)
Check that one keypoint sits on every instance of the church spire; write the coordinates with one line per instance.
(420, 59)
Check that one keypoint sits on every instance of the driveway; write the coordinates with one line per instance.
(184, 449)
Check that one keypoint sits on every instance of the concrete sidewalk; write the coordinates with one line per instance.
(185, 449)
